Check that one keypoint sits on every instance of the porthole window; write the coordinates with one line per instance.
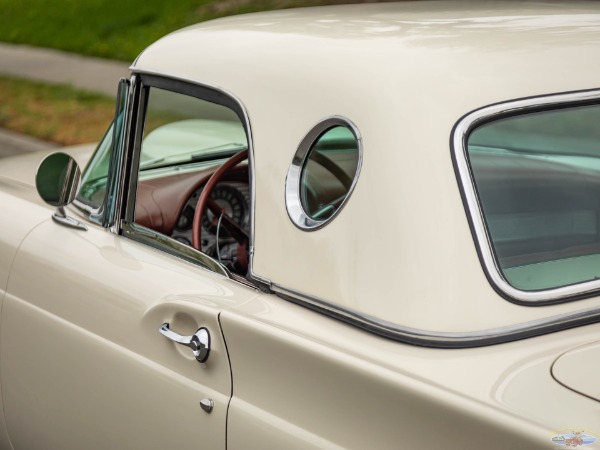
(323, 173)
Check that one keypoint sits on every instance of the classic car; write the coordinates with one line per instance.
(361, 227)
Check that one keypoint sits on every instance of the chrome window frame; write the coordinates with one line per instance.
(473, 208)
(94, 215)
(293, 202)
(126, 225)
(107, 214)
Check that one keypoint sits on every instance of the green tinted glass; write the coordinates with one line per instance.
(93, 183)
(180, 129)
(538, 181)
(328, 172)
(98, 190)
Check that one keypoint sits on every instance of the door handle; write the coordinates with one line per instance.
(199, 342)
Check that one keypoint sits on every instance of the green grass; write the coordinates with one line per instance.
(59, 113)
(111, 29)
(117, 29)
(54, 113)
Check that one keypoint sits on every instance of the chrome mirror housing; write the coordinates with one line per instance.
(57, 181)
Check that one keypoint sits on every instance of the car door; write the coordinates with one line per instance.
(83, 362)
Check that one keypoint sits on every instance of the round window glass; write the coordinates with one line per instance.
(323, 172)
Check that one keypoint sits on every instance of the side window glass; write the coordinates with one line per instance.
(97, 188)
(179, 129)
(185, 140)
(93, 182)
(323, 173)
(537, 177)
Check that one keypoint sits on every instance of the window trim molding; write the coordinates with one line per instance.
(473, 209)
(107, 214)
(440, 339)
(172, 247)
(127, 227)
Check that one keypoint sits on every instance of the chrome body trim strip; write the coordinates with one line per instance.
(86, 210)
(441, 339)
(172, 247)
(114, 223)
(473, 207)
(293, 203)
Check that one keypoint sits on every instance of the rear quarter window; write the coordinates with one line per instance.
(537, 180)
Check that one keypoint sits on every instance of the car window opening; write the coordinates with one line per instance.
(538, 181)
(323, 173)
(186, 142)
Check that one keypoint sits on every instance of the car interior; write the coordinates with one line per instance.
(537, 177)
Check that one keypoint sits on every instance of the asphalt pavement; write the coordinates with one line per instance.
(54, 67)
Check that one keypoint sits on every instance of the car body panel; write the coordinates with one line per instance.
(17, 188)
(17, 193)
(435, 62)
(389, 392)
(81, 349)
(82, 362)
(22, 168)
(572, 370)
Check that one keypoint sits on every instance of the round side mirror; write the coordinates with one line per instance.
(57, 179)
(57, 182)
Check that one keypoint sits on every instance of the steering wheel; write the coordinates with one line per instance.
(340, 174)
(234, 229)
(327, 163)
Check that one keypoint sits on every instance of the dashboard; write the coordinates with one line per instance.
(167, 205)
(232, 197)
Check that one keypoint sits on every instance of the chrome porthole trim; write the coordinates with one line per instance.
(473, 206)
(293, 202)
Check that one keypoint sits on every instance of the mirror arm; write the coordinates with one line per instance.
(61, 217)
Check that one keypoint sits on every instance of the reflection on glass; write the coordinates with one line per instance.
(538, 180)
(57, 179)
(328, 172)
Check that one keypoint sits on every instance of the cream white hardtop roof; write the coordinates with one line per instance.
(401, 250)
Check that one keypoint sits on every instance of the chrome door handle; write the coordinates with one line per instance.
(199, 342)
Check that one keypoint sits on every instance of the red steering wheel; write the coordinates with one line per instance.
(234, 229)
